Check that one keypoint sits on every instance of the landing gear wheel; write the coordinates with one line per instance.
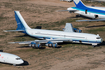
(93, 46)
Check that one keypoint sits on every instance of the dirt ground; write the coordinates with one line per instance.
(44, 13)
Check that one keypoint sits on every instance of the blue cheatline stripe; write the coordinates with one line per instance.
(80, 6)
(91, 10)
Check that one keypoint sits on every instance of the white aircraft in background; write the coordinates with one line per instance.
(10, 58)
(52, 37)
(96, 13)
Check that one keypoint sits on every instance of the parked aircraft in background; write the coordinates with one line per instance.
(96, 13)
(10, 58)
(52, 37)
(98, 0)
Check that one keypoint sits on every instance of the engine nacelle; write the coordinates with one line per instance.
(55, 45)
(50, 44)
(34, 45)
(77, 30)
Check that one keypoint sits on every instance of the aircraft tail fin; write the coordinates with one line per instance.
(21, 24)
(68, 28)
(79, 3)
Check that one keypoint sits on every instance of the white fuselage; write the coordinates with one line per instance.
(10, 58)
(91, 12)
(75, 37)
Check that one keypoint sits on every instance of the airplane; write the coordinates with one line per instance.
(95, 13)
(51, 38)
(10, 58)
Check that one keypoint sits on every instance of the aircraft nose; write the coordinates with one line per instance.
(20, 61)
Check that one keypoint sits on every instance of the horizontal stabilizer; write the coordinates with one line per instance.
(61, 10)
(13, 30)
(90, 20)
(71, 9)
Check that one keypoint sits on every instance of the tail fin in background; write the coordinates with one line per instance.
(68, 28)
(79, 3)
(21, 24)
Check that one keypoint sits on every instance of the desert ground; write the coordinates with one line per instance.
(44, 13)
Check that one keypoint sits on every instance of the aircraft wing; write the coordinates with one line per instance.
(42, 41)
(90, 20)
(22, 42)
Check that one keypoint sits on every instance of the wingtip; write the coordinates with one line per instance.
(57, 11)
(77, 20)
(11, 42)
(5, 31)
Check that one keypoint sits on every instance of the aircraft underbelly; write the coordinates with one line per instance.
(90, 15)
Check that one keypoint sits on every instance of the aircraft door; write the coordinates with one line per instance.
(96, 16)
(85, 11)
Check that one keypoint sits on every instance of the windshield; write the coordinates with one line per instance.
(18, 58)
(98, 38)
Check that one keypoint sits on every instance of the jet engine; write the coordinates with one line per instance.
(50, 44)
(77, 30)
(34, 45)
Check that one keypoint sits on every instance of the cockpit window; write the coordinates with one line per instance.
(18, 58)
(98, 38)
